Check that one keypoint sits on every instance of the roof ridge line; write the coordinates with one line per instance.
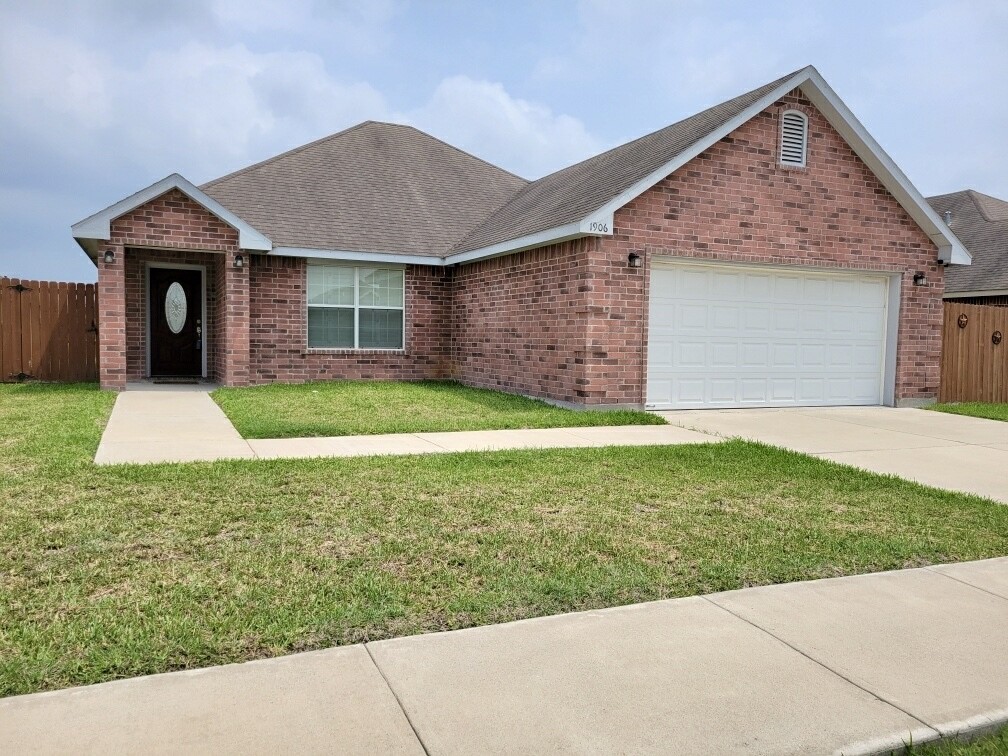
(285, 154)
(972, 194)
(456, 148)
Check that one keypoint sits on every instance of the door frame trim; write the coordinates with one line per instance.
(203, 307)
(891, 313)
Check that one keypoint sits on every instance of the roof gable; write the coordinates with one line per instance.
(98, 227)
(573, 193)
(376, 187)
(583, 197)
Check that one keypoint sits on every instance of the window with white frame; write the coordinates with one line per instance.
(355, 307)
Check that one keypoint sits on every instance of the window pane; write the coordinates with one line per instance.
(331, 285)
(381, 288)
(330, 327)
(339, 286)
(381, 329)
(316, 274)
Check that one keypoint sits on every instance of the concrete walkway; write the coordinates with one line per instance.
(955, 452)
(850, 665)
(183, 424)
(153, 423)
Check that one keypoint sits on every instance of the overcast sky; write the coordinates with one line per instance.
(101, 98)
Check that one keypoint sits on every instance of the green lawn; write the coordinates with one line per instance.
(991, 745)
(344, 408)
(109, 572)
(988, 410)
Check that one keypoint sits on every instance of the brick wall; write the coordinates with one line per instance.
(734, 202)
(112, 319)
(518, 322)
(174, 221)
(278, 337)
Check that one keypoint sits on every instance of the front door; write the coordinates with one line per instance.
(176, 322)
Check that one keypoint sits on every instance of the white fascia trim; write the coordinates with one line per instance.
(350, 256)
(538, 239)
(697, 147)
(99, 225)
(982, 293)
(951, 250)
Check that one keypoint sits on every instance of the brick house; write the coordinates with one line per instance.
(981, 222)
(763, 252)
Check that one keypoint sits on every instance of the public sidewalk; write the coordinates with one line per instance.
(183, 424)
(849, 665)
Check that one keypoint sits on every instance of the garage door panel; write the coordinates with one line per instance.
(813, 355)
(724, 355)
(692, 354)
(757, 287)
(692, 283)
(756, 319)
(725, 317)
(758, 336)
(692, 316)
(755, 355)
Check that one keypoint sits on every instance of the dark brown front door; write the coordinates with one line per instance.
(176, 322)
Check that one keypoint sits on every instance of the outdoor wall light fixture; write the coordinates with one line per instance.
(919, 279)
(109, 257)
(634, 260)
(239, 261)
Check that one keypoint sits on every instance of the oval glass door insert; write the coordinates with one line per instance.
(175, 307)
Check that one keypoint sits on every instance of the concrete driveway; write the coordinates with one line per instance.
(947, 451)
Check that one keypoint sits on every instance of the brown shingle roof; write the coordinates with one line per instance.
(981, 223)
(376, 187)
(572, 193)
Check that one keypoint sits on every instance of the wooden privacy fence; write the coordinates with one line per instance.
(48, 331)
(974, 365)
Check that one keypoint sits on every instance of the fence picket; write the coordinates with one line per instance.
(973, 367)
(45, 331)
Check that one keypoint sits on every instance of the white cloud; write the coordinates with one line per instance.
(525, 137)
(196, 108)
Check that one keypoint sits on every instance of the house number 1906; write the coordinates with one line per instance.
(602, 228)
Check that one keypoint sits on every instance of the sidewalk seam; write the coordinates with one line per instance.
(399, 703)
(932, 568)
(823, 665)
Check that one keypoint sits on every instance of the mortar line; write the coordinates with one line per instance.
(822, 664)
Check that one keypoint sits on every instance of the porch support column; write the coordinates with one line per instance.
(112, 318)
(235, 328)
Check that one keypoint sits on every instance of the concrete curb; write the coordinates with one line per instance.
(964, 730)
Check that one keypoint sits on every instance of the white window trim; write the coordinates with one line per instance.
(805, 139)
(357, 307)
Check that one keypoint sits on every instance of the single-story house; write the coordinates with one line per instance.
(763, 252)
(981, 223)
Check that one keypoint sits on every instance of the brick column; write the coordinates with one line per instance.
(235, 326)
(112, 318)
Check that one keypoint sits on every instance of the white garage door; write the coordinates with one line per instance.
(757, 336)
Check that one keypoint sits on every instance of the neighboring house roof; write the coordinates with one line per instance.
(388, 192)
(376, 187)
(981, 222)
(577, 191)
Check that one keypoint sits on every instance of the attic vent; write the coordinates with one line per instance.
(793, 138)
